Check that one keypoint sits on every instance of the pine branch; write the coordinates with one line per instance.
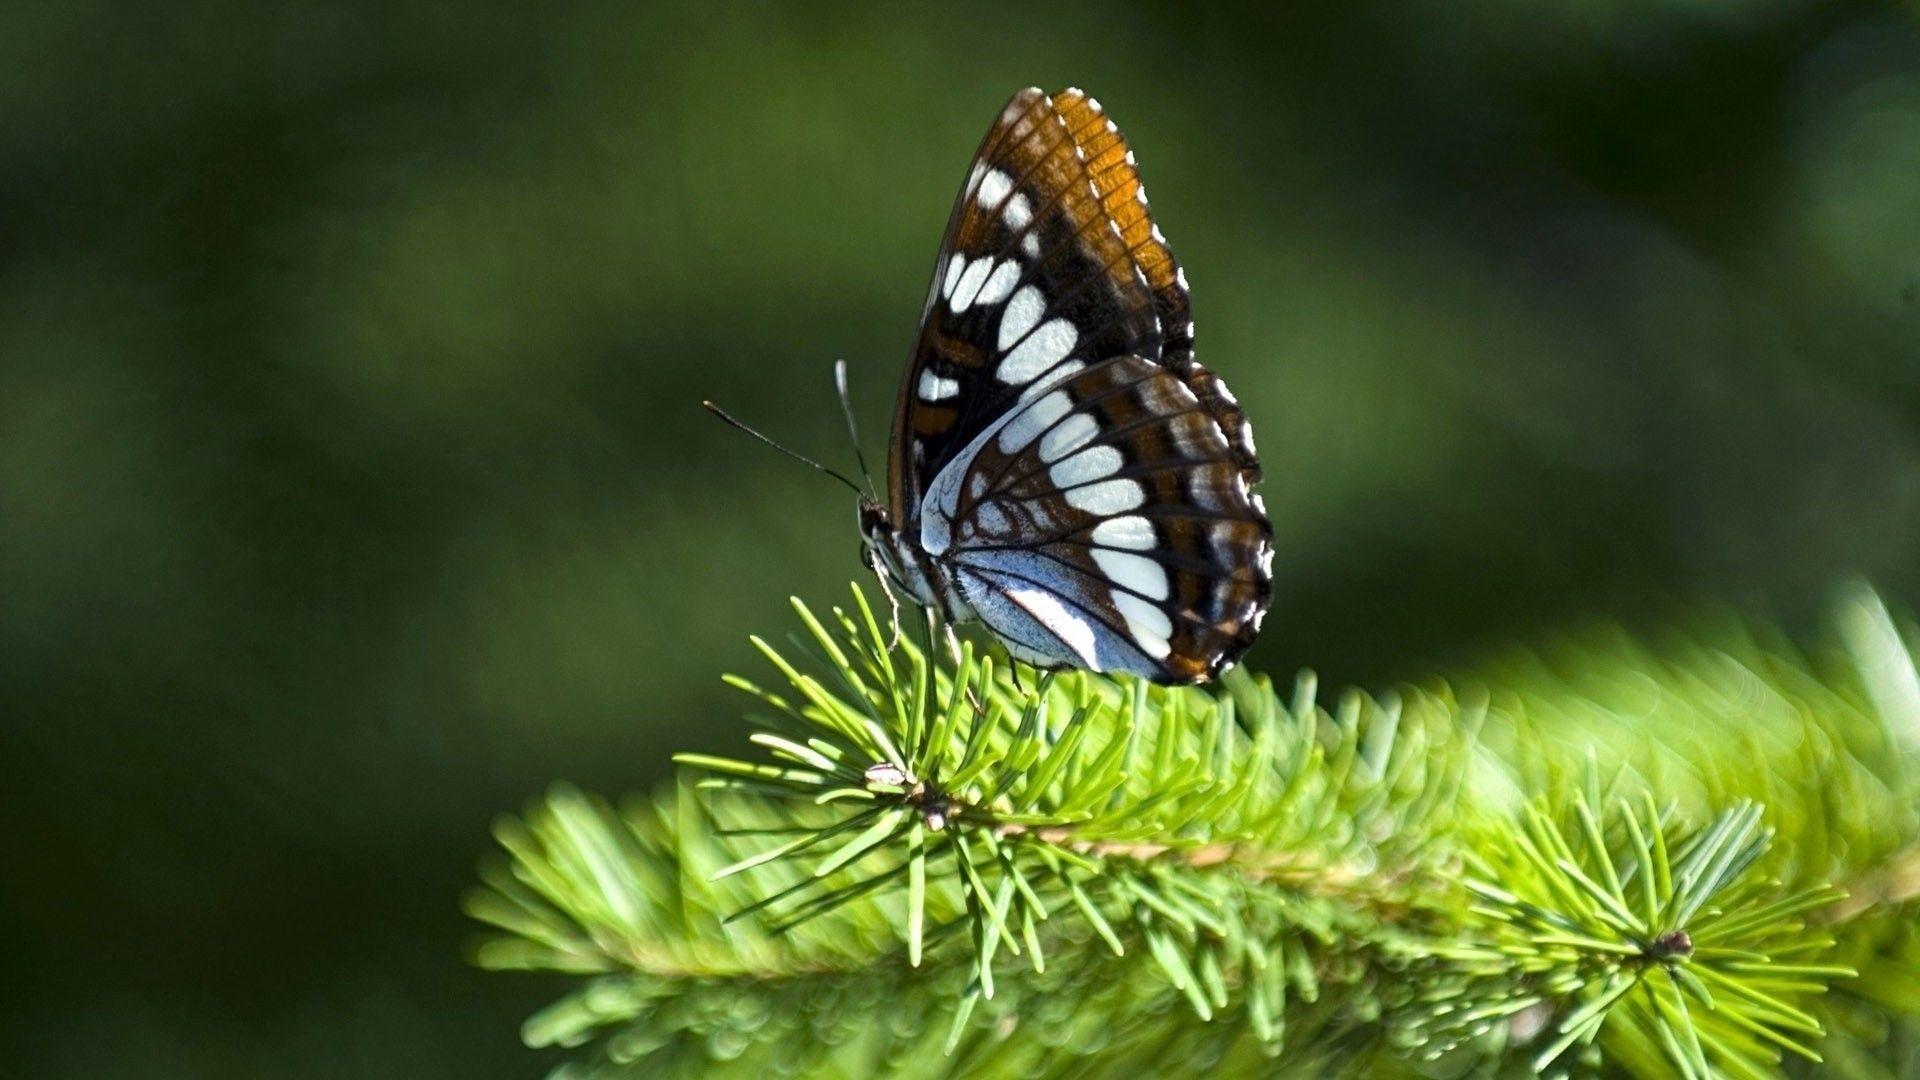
(1399, 879)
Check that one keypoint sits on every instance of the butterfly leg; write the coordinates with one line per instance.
(893, 601)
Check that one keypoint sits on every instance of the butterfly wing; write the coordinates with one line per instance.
(1056, 297)
(1106, 524)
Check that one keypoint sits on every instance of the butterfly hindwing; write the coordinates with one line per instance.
(1105, 523)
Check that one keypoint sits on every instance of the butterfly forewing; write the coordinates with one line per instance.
(1084, 481)
(1033, 275)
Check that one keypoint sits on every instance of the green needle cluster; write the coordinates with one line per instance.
(1698, 856)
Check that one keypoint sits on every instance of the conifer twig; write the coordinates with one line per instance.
(1006, 872)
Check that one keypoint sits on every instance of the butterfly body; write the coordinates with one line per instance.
(1061, 469)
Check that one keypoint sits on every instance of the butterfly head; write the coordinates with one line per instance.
(879, 543)
(901, 564)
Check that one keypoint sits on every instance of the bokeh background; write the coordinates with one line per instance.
(353, 486)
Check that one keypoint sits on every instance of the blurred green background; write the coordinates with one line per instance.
(353, 485)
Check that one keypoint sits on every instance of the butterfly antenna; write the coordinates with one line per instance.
(801, 458)
(853, 430)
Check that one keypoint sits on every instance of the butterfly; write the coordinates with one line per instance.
(1061, 469)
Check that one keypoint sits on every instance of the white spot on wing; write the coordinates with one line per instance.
(1131, 531)
(1070, 435)
(1085, 467)
(988, 520)
(1075, 632)
(1148, 624)
(994, 187)
(1130, 571)
(1022, 312)
(1017, 212)
(1031, 245)
(1027, 424)
(1107, 497)
(1046, 346)
(954, 266)
(999, 283)
(935, 388)
(969, 285)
